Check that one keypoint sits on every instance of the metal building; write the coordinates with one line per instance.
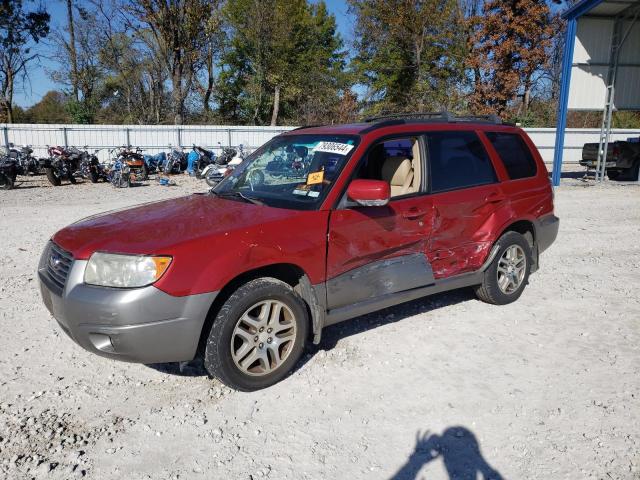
(601, 67)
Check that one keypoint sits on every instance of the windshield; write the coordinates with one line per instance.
(290, 171)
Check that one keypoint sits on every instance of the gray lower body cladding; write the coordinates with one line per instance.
(144, 325)
(546, 231)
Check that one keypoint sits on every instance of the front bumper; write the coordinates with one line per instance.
(144, 325)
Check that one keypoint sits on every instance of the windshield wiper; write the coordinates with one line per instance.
(238, 194)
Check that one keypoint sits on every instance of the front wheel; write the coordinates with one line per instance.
(257, 336)
(211, 179)
(508, 274)
(53, 177)
(6, 182)
(93, 176)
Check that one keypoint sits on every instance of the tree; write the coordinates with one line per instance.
(80, 68)
(50, 109)
(280, 54)
(178, 28)
(19, 30)
(134, 76)
(409, 53)
(510, 48)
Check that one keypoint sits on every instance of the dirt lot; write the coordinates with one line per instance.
(442, 388)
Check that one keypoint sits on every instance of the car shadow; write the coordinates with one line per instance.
(332, 334)
(460, 453)
(194, 368)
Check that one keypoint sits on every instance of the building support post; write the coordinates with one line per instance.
(563, 101)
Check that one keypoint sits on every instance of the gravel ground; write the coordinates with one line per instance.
(442, 388)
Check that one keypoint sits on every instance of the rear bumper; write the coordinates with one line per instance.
(143, 325)
(594, 163)
(546, 231)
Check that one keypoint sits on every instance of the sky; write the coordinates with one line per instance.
(40, 80)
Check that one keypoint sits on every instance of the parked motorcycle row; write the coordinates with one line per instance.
(126, 165)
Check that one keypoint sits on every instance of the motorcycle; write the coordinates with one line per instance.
(293, 164)
(61, 164)
(91, 168)
(155, 163)
(198, 159)
(224, 165)
(27, 163)
(135, 161)
(17, 162)
(176, 162)
(118, 171)
(8, 172)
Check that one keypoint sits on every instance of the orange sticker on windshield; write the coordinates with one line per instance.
(315, 177)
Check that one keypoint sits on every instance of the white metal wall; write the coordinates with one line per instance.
(150, 138)
(153, 139)
(590, 66)
(574, 139)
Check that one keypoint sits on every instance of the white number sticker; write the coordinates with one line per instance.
(333, 147)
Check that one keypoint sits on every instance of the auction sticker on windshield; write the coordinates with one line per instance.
(315, 177)
(333, 147)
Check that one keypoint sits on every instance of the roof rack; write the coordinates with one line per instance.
(435, 117)
(306, 126)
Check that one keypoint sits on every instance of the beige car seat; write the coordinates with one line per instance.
(398, 171)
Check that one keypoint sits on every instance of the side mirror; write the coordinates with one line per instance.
(369, 193)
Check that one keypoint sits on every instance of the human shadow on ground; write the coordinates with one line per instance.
(460, 453)
(331, 335)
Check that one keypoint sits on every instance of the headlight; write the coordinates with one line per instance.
(124, 271)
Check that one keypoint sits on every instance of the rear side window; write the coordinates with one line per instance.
(515, 154)
(457, 160)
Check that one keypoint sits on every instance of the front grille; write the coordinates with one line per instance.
(58, 264)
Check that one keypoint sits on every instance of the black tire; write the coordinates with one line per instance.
(218, 357)
(6, 182)
(630, 173)
(614, 174)
(53, 177)
(211, 180)
(93, 176)
(489, 291)
(72, 179)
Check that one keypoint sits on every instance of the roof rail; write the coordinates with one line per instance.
(434, 117)
(306, 126)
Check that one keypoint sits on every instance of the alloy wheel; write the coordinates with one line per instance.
(512, 267)
(263, 337)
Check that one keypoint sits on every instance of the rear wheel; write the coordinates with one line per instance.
(508, 274)
(53, 177)
(613, 174)
(93, 176)
(257, 336)
(72, 179)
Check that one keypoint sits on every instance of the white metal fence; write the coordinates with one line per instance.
(155, 138)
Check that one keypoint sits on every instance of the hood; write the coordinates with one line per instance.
(158, 227)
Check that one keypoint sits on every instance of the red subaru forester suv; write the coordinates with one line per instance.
(319, 225)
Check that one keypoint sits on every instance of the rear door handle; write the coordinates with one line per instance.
(495, 197)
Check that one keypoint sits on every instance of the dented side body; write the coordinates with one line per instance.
(350, 260)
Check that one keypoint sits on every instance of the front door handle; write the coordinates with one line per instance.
(414, 213)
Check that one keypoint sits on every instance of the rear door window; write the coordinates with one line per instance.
(457, 160)
(514, 153)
